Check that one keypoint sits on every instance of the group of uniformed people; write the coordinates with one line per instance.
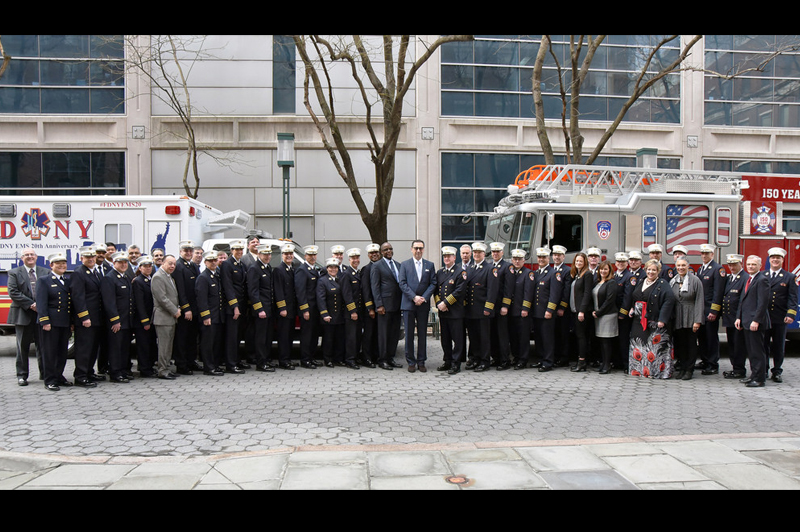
(488, 309)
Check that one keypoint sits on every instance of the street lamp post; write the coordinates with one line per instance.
(286, 161)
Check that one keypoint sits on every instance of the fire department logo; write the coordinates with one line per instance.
(35, 223)
(763, 220)
(604, 229)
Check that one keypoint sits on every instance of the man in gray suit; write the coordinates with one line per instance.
(165, 314)
(22, 313)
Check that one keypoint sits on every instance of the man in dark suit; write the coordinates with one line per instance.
(211, 310)
(22, 313)
(117, 295)
(712, 275)
(501, 275)
(53, 308)
(624, 290)
(524, 290)
(387, 296)
(286, 304)
(479, 300)
(186, 330)
(545, 303)
(87, 303)
(782, 310)
(753, 318)
(354, 306)
(305, 286)
(259, 287)
(449, 300)
(563, 314)
(734, 286)
(417, 279)
(369, 339)
(233, 274)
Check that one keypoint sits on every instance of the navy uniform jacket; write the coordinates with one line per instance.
(117, 299)
(259, 286)
(305, 286)
(87, 302)
(366, 287)
(352, 292)
(754, 303)
(233, 275)
(210, 297)
(142, 301)
(481, 294)
(566, 282)
(624, 290)
(501, 274)
(330, 300)
(782, 296)
(283, 290)
(185, 276)
(713, 279)
(549, 288)
(734, 287)
(524, 291)
(53, 304)
(450, 288)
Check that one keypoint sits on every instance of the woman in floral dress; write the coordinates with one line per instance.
(650, 353)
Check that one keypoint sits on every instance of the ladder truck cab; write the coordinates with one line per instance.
(50, 224)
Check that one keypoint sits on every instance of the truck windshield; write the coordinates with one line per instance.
(514, 230)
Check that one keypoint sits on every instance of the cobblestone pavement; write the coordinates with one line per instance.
(351, 422)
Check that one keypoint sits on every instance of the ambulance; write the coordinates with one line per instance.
(65, 223)
(630, 208)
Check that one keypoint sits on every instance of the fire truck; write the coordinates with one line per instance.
(49, 224)
(630, 208)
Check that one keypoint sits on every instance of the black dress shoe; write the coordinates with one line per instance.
(776, 377)
(544, 369)
(65, 383)
(368, 363)
(455, 368)
(52, 387)
(394, 364)
(733, 375)
(471, 365)
(86, 383)
(745, 380)
(244, 365)
(352, 365)
(330, 364)
(235, 369)
(710, 371)
(167, 376)
(504, 366)
(184, 372)
(755, 384)
(22, 382)
(286, 365)
(119, 379)
(481, 367)
(444, 367)
(265, 367)
(97, 377)
(687, 375)
(308, 365)
(520, 365)
(214, 373)
(384, 365)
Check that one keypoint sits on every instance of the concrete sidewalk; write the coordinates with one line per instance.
(732, 462)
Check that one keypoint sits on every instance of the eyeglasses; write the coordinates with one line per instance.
(418, 249)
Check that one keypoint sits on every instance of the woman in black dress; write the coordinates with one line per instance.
(580, 302)
(650, 353)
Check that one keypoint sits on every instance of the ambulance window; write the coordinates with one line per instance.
(567, 232)
(119, 233)
(723, 226)
(791, 221)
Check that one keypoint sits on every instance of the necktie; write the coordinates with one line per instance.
(419, 270)
(32, 277)
(748, 284)
(394, 270)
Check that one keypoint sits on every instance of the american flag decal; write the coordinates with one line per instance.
(687, 225)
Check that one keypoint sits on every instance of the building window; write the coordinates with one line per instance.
(749, 166)
(492, 77)
(764, 93)
(63, 74)
(62, 173)
(283, 75)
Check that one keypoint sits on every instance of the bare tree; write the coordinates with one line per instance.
(6, 58)
(166, 61)
(580, 61)
(384, 85)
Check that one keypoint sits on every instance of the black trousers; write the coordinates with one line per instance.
(27, 334)
(775, 346)
(333, 343)
(454, 339)
(55, 344)
(184, 347)
(353, 335)
(388, 335)
(310, 331)
(262, 339)
(119, 352)
(685, 347)
(285, 328)
(501, 344)
(544, 336)
(754, 346)
(212, 345)
(736, 351)
(520, 338)
(708, 337)
(234, 334)
(146, 350)
(87, 347)
(480, 338)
